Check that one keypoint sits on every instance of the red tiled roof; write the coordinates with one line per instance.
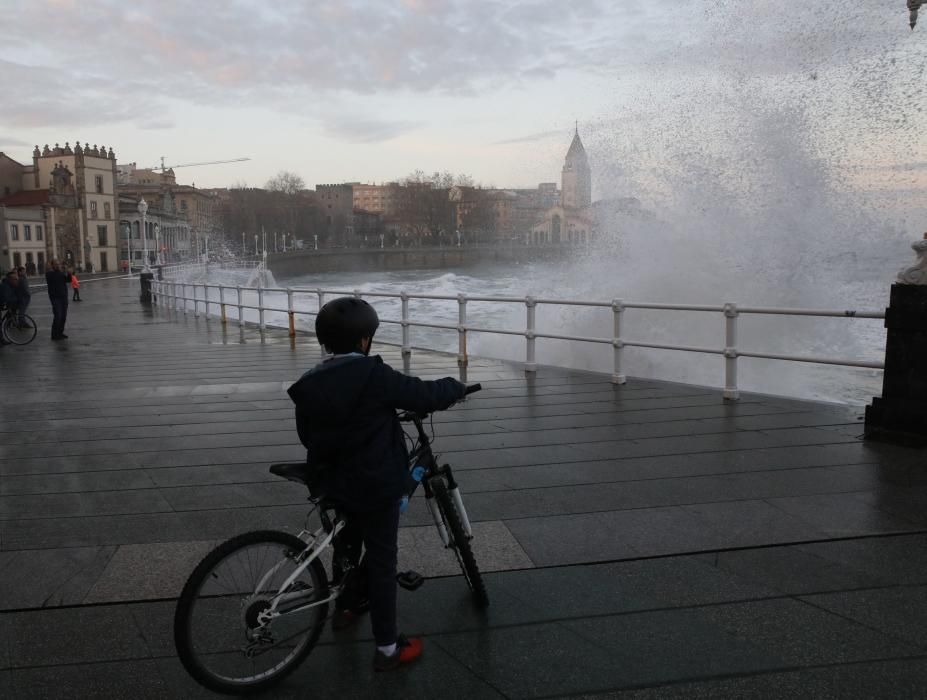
(26, 198)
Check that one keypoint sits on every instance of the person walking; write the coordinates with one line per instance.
(24, 293)
(57, 282)
(75, 285)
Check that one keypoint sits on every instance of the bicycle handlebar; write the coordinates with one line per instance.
(407, 416)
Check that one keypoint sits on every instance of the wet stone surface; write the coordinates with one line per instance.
(646, 540)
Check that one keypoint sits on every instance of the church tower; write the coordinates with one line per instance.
(576, 187)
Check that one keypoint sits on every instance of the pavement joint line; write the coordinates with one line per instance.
(590, 458)
(797, 597)
(470, 489)
(455, 451)
(888, 633)
(758, 673)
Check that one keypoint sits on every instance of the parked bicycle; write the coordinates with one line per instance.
(17, 328)
(254, 608)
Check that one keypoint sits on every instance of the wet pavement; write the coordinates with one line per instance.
(642, 541)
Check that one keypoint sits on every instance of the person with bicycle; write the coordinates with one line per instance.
(9, 296)
(346, 418)
(23, 292)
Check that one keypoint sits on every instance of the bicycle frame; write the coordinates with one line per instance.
(423, 456)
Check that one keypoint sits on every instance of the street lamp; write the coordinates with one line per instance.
(158, 243)
(143, 209)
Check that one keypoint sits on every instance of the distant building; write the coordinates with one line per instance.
(160, 190)
(336, 202)
(73, 193)
(572, 220)
(166, 232)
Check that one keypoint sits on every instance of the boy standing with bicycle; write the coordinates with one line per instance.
(346, 418)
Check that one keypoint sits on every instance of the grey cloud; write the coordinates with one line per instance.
(532, 138)
(15, 143)
(361, 130)
(225, 53)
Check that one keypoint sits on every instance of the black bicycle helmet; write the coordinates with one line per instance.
(342, 323)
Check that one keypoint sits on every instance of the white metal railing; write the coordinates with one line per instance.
(178, 294)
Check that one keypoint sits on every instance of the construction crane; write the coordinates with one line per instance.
(164, 167)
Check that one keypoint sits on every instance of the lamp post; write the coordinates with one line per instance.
(143, 209)
(243, 251)
(255, 245)
(158, 243)
(129, 248)
(458, 238)
(316, 237)
(381, 241)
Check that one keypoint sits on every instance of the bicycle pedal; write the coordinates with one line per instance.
(410, 580)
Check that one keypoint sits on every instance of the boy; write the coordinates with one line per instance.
(346, 418)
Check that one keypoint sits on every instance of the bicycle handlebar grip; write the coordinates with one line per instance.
(473, 388)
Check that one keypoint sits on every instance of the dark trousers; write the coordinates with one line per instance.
(60, 315)
(375, 575)
(76, 294)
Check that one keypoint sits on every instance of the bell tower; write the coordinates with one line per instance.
(576, 177)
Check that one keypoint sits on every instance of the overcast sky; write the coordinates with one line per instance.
(370, 91)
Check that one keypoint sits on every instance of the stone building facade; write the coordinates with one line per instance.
(73, 192)
(572, 221)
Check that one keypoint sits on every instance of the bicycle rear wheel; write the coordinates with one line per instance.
(19, 333)
(216, 630)
(460, 541)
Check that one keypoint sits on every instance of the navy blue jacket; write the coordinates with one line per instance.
(346, 418)
(58, 284)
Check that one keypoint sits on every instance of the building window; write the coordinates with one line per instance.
(183, 205)
(14, 232)
(93, 210)
(17, 259)
(98, 182)
(27, 232)
(101, 235)
(38, 232)
(106, 210)
(137, 254)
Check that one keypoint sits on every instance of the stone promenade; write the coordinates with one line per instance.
(642, 541)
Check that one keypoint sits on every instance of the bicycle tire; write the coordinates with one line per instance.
(460, 542)
(16, 333)
(225, 643)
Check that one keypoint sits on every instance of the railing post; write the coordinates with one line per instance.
(321, 296)
(261, 307)
(241, 309)
(222, 305)
(730, 352)
(462, 336)
(617, 343)
(289, 307)
(206, 299)
(531, 365)
(406, 348)
(183, 287)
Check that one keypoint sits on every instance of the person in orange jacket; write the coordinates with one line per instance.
(75, 285)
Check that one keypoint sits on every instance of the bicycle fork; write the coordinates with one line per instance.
(454, 491)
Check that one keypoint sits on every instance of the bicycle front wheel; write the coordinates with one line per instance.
(460, 541)
(217, 631)
(19, 332)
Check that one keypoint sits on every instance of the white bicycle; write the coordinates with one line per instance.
(254, 608)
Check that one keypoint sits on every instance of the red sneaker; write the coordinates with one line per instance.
(406, 650)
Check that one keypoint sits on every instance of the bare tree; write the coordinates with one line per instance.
(286, 182)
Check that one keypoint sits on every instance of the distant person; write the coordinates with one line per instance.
(75, 285)
(25, 294)
(57, 282)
